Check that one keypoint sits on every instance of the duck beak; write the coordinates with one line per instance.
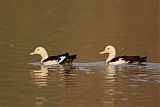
(33, 53)
(103, 52)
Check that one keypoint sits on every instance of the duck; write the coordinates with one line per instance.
(115, 60)
(52, 60)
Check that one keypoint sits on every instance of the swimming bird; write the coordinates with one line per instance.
(112, 59)
(58, 59)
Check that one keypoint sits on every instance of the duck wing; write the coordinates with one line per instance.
(68, 59)
(57, 57)
(135, 59)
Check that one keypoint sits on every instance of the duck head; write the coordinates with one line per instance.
(111, 51)
(40, 51)
(108, 49)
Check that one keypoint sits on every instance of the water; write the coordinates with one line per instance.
(84, 28)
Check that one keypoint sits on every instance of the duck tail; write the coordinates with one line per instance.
(72, 57)
(143, 59)
(66, 54)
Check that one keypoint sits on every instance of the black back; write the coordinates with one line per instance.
(68, 58)
(55, 57)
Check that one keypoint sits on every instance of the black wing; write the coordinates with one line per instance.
(56, 57)
(68, 59)
(136, 59)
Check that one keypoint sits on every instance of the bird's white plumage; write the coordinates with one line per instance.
(53, 62)
(120, 61)
(112, 54)
(40, 51)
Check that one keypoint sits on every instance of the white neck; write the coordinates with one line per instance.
(44, 56)
(111, 56)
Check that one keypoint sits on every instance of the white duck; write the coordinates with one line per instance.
(59, 59)
(112, 59)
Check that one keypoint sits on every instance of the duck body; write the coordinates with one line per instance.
(52, 60)
(127, 59)
(59, 59)
(112, 59)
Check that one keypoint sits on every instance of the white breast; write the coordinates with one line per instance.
(120, 61)
(53, 62)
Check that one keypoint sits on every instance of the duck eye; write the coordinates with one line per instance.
(37, 49)
(108, 48)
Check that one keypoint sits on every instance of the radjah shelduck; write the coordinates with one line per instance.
(52, 60)
(112, 59)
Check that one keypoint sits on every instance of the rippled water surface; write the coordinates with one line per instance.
(83, 27)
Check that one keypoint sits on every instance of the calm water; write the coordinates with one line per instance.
(83, 27)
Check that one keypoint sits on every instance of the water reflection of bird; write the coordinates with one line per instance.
(112, 59)
(40, 76)
(108, 86)
(59, 59)
(55, 77)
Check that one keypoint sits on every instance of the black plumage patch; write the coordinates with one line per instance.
(56, 57)
(115, 59)
(67, 58)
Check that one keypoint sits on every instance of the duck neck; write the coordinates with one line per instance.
(111, 56)
(44, 56)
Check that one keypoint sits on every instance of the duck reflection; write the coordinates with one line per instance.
(40, 76)
(40, 100)
(108, 86)
(55, 78)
